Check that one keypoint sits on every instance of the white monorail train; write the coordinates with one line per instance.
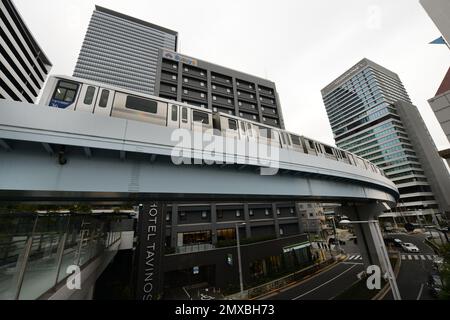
(89, 96)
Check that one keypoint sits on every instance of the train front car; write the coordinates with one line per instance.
(60, 93)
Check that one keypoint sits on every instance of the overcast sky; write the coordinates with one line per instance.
(300, 45)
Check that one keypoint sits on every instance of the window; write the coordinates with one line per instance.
(311, 144)
(262, 108)
(184, 115)
(204, 215)
(253, 106)
(214, 87)
(167, 217)
(186, 80)
(141, 104)
(214, 109)
(281, 231)
(174, 77)
(292, 211)
(228, 90)
(185, 91)
(243, 127)
(229, 101)
(240, 104)
(89, 97)
(200, 117)
(174, 113)
(266, 212)
(239, 93)
(328, 150)
(174, 66)
(104, 99)
(251, 213)
(232, 124)
(278, 212)
(182, 215)
(254, 117)
(238, 213)
(202, 84)
(214, 98)
(202, 95)
(66, 91)
(174, 89)
(186, 69)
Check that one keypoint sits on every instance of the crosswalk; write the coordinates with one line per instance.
(416, 257)
(410, 257)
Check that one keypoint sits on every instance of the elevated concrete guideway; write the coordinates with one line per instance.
(113, 158)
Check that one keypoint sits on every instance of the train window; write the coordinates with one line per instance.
(311, 144)
(140, 104)
(200, 117)
(174, 113)
(265, 132)
(104, 99)
(243, 127)
(296, 140)
(184, 115)
(232, 124)
(282, 138)
(328, 150)
(89, 97)
(66, 91)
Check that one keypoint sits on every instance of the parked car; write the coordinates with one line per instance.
(409, 247)
(434, 284)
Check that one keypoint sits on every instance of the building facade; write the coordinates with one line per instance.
(122, 50)
(364, 119)
(24, 66)
(439, 11)
(217, 88)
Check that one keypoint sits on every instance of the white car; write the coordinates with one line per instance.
(409, 247)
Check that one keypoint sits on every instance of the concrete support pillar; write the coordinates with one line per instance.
(248, 231)
(363, 218)
(174, 229)
(275, 218)
(301, 228)
(214, 223)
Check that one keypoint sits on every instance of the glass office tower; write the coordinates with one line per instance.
(364, 120)
(122, 50)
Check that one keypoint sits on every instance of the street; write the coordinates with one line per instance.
(414, 271)
(323, 286)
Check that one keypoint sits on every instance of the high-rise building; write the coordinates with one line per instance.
(439, 12)
(217, 88)
(24, 66)
(122, 50)
(364, 119)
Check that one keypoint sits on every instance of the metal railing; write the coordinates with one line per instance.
(36, 259)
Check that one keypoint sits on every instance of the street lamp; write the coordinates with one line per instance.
(381, 252)
(241, 282)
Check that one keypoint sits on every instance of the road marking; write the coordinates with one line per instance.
(325, 283)
(422, 257)
(416, 257)
(429, 257)
(358, 257)
(420, 292)
(403, 257)
(409, 257)
(351, 258)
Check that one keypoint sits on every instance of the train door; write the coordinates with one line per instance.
(242, 130)
(231, 127)
(87, 99)
(319, 150)
(252, 132)
(173, 116)
(104, 102)
(185, 119)
(285, 140)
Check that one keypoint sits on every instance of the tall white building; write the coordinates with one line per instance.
(122, 50)
(23, 65)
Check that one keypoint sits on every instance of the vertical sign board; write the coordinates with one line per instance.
(150, 251)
